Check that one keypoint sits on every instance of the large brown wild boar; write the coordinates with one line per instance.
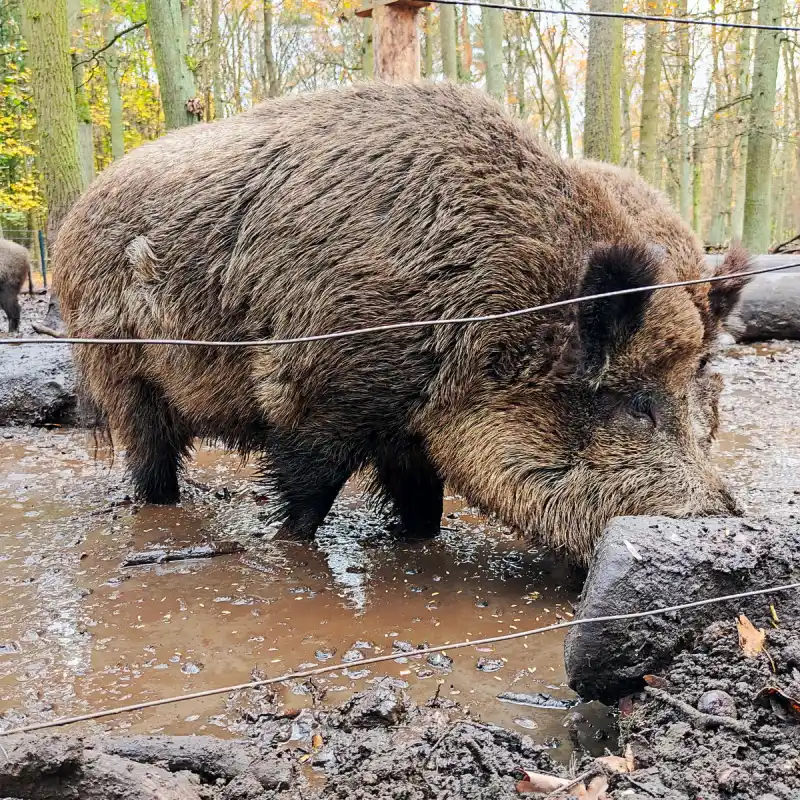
(378, 204)
(14, 266)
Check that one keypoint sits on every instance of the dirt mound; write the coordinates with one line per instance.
(719, 723)
(378, 745)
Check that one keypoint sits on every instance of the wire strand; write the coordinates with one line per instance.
(392, 326)
(568, 12)
(58, 723)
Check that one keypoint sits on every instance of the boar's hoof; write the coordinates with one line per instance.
(418, 531)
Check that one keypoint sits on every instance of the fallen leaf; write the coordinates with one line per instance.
(539, 782)
(657, 681)
(614, 763)
(305, 757)
(316, 741)
(751, 639)
(596, 790)
(629, 759)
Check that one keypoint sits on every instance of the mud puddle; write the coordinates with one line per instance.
(79, 633)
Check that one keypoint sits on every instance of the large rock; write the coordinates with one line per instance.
(37, 385)
(643, 563)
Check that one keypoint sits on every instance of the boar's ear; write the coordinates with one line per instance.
(724, 295)
(604, 325)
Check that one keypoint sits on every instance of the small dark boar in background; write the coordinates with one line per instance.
(378, 204)
(14, 266)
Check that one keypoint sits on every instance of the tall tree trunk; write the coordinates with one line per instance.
(685, 168)
(367, 51)
(466, 46)
(447, 31)
(112, 85)
(427, 61)
(697, 178)
(651, 90)
(716, 228)
(740, 179)
(493, 34)
(216, 66)
(175, 81)
(627, 154)
(47, 34)
(270, 68)
(84, 114)
(756, 233)
(601, 134)
(794, 85)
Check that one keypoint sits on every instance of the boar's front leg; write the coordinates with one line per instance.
(415, 491)
(306, 480)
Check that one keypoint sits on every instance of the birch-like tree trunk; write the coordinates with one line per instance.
(756, 230)
(651, 91)
(493, 34)
(270, 77)
(601, 135)
(740, 179)
(447, 32)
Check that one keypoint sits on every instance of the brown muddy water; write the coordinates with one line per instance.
(79, 633)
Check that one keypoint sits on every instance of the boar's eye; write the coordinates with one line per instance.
(642, 410)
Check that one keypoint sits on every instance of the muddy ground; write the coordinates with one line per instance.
(80, 632)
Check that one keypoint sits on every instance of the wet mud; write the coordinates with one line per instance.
(80, 632)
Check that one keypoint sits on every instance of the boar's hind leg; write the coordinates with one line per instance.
(306, 482)
(9, 302)
(416, 493)
(157, 442)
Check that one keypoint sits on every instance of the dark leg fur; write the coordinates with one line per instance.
(157, 442)
(9, 302)
(307, 483)
(415, 492)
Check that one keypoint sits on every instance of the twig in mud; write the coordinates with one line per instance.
(640, 786)
(582, 778)
(184, 554)
(450, 729)
(39, 328)
(703, 720)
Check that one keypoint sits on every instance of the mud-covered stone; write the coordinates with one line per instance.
(37, 385)
(770, 308)
(643, 563)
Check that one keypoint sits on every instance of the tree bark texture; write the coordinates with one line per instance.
(47, 34)
(175, 80)
(493, 32)
(651, 91)
(602, 127)
(396, 41)
(270, 68)
(756, 230)
(447, 32)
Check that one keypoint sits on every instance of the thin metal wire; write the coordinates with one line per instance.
(568, 12)
(58, 723)
(403, 325)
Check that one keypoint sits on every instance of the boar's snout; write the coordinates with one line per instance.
(719, 503)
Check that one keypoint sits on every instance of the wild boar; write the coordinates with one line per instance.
(14, 266)
(378, 204)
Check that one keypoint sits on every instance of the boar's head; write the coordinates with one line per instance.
(618, 419)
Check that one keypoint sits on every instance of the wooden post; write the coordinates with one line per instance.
(395, 38)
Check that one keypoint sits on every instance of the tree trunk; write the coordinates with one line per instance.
(685, 168)
(716, 228)
(47, 34)
(175, 81)
(428, 60)
(740, 180)
(84, 114)
(651, 90)
(627, 155)
(794, 84)
(601, 135)
(697, 177)
(465, 70)
(112, 85)
(756, 232)
(270, 68)
(493, 34)
(216, 67)
(447, 31)
(368, 51)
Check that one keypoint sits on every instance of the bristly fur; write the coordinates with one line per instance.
(378, 204)
(14, 267)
